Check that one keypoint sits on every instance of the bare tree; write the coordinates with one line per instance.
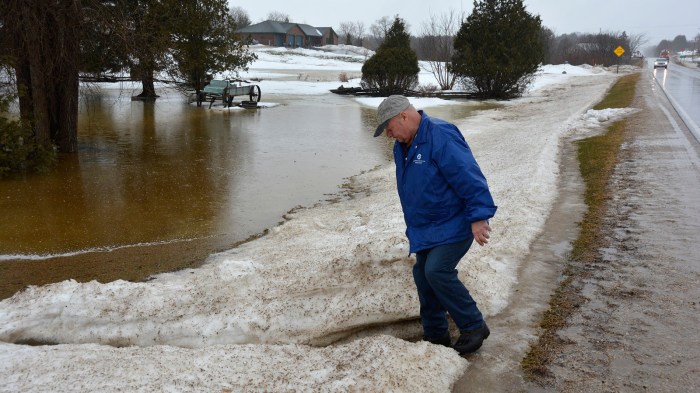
(346, 31)
(437, 46)
(549, 42)
(381, 27)
(240, 17)
(636, 41)
(278, 16)
(576, 48)
(595, 49)
(359, 33)
(561, 47)
(377, 32)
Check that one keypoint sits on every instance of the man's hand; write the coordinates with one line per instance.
(480, 230)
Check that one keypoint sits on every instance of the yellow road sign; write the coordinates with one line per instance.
(619, 51)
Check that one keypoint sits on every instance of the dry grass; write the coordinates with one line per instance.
(597, 157)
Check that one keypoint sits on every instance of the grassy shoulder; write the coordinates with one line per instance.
(597, 158)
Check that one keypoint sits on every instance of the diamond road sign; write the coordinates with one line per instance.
(619, 51)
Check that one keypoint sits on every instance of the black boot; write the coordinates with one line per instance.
(442, 340)
(470, 340)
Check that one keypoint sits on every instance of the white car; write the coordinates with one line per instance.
(661, 62)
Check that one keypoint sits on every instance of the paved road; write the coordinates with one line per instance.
(638, 329)
(682, 87)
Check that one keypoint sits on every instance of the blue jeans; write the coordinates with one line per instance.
(440, 291)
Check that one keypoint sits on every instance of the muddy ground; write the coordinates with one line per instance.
(636, 330)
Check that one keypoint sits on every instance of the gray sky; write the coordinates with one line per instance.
(657, 19)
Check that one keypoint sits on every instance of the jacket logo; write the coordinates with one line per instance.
(418, 159)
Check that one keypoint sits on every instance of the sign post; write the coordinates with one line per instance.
(619, 51)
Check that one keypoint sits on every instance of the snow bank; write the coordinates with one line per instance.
(379, 364)
(321, 275)
(331, 57)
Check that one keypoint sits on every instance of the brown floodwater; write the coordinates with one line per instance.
(149, 173)
(160, 186)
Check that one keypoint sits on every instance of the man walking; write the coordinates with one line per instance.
(446, 204)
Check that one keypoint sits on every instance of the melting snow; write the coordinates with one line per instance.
(304, 307)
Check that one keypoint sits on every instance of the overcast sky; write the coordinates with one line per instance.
(657, 19)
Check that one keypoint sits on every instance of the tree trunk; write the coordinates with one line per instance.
(64, 83)
(34, 55)
(144, 70)
(47, 55)
(149, 90)
(24, 87)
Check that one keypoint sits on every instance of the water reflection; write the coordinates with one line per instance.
(159, 172)
(663, 80)
(150, 172)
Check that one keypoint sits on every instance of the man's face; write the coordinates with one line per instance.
(399, 128)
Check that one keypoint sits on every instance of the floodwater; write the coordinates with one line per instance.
(149, 174)
(168, 171)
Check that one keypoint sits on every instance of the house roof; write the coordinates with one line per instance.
(271, 26)
(325, 30)
(268, 26)
(309, 30)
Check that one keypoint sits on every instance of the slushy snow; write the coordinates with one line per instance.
(324, 301)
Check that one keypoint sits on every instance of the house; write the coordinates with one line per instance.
(291, 35)
(329, 36)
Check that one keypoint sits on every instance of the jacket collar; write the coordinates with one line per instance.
(420, 138)
(421, 134)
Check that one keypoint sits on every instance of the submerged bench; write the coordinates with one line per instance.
(226, 90)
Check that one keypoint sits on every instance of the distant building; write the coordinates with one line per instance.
(329, 36)
(292, 35)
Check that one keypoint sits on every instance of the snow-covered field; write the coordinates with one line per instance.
(323, 301)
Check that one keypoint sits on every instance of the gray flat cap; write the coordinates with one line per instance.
(390, 107)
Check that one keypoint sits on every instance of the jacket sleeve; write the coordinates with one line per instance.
(457, 164)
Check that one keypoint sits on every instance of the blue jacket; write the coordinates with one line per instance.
(441, 187)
